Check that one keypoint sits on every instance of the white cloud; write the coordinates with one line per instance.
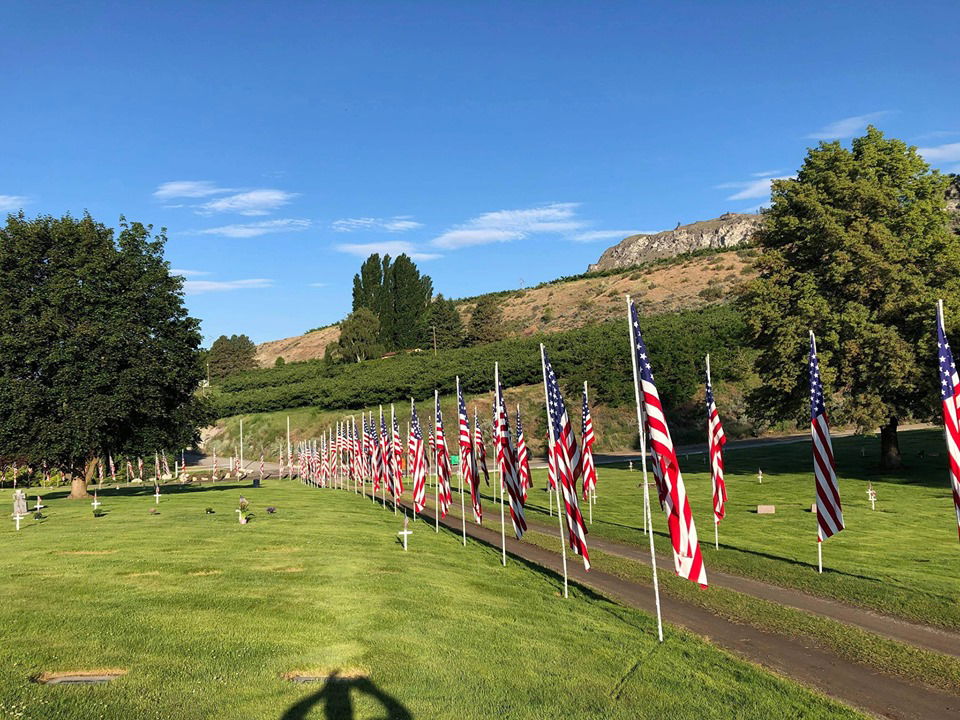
(846, 127)
(941, 153)
(507, 225)
(318, 284)
(593, 235)
(389, 247)
(255, 229)
(936, 134)
(196, 287)
(189, 189)
(766, 173)
(12, 202)
(397, 223)
(751, 188)
(187, 273)
(250, 202)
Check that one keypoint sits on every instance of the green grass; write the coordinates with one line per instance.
(900, 559)
(206, 615)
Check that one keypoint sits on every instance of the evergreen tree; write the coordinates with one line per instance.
(486, 322)
(97, 351)
(442, 316)
(857, 248)
(230, 355)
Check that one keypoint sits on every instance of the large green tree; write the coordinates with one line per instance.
(97, 351)
(359, 334)
(397, 294)
(486, 321)
(443, 324)
(229, 355)
(856, 248)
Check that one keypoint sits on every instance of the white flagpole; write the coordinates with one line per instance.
(436, 460)
(556, 480)
(813, 340)
(289, 448)
(463, 507)
(496, 414)
(643, 454)
(241, 446)
(393, 456)
(713, 479)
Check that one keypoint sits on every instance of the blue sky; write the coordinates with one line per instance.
(498, 143)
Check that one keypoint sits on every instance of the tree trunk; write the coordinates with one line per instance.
(890, 447)
(79, 480)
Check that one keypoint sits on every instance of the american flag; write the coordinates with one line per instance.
(113, 470)
(563, 441)
(672, 492)
(156, 466)
(588, 468)
(129, 470)
(418, 461)
(334, 452)
(367, 448)
(386, 455)
(523, 460)
(397, 455)
(468, 465)
(324, 461)
(507, 461)
(100, 472)
(444, 471)
(829, 512)
(551, 469)
(479, 449)
(376, 461)
(261, 466)
(950, 395)
(716, 440)
(166, 465)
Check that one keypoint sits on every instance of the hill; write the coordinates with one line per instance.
(663, 285)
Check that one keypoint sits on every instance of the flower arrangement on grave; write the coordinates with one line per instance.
(209, 511)
(271, 510)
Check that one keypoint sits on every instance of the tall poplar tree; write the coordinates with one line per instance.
(397, 294)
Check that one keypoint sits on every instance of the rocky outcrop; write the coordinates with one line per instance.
(726, 231)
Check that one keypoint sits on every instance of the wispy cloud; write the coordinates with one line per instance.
(189, 189)
(937, 134)
(766, 173)
(389, 247)
(749, 189)
(318, 285)
(12, 202)
(250, 202)
(197, 287)
(507, 225)
(847, 127)
(594, 235)
(256, 229)
(397, 223)
(188, 273)
(941, 153)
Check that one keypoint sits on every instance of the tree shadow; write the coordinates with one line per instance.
(334, 698)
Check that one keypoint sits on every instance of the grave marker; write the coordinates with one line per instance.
(872, 496)
(19, 506)
(766, 509)
(406, 530)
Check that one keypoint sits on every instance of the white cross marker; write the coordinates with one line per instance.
(872, 495)
(760, 476)
(406, 531)
(156, 495)
(96, 503)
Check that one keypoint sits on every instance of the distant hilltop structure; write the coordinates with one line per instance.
(727, 231)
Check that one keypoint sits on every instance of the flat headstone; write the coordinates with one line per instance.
(766, 509)
(78, 678)
(813, 507)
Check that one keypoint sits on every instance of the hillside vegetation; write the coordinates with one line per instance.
(683, 282)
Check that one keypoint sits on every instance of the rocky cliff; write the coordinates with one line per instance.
(726, 231)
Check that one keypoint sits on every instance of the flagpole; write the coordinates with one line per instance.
(648, 516)
(713, 478)
(393, 454)
(496, 414)
(463, 508)
(813, 340)
(591, 491)
(556, 480)
(436, 460)
(241, 446)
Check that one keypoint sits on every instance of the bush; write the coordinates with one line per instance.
(598, 354)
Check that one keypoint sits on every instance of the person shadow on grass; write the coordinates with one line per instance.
(337, 705)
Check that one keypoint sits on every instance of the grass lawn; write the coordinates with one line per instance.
(900, 559)
(206, 615)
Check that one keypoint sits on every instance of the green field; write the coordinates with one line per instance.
(900, 559)
(206, 616)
